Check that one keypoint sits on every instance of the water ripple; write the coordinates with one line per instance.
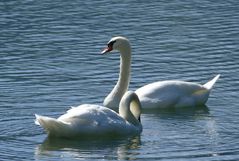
(50, 60)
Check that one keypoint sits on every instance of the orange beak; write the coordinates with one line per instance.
(106, 50)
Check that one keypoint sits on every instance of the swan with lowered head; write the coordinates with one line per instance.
(161, 94)
(95, 120)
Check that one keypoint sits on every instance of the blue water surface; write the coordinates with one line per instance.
(50, 60)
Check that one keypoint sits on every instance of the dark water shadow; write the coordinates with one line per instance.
(184, 113)
(172, 110)
(115, 148)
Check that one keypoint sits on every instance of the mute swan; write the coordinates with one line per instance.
(95, 120)
(162, 94)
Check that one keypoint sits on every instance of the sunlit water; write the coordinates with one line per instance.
(49, 61)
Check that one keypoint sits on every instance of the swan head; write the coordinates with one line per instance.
(117, 43)
(130, 108)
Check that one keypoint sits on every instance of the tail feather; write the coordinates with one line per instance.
(51, 125)
(210, 84)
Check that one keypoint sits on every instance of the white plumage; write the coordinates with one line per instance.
(95, 120)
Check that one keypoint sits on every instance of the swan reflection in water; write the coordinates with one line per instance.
(178, 128)
(101, 148)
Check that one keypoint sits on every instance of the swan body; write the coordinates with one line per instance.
(161, 94)
(95, 120)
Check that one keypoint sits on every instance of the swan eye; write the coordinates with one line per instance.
(110, 44)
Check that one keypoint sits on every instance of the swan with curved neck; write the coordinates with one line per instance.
(95, 120)
(161, 94)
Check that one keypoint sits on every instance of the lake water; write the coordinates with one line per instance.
(50, 60)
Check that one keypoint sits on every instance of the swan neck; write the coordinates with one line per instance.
(130, 109)
(124, 76)
(125, 68)
(113, 99)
